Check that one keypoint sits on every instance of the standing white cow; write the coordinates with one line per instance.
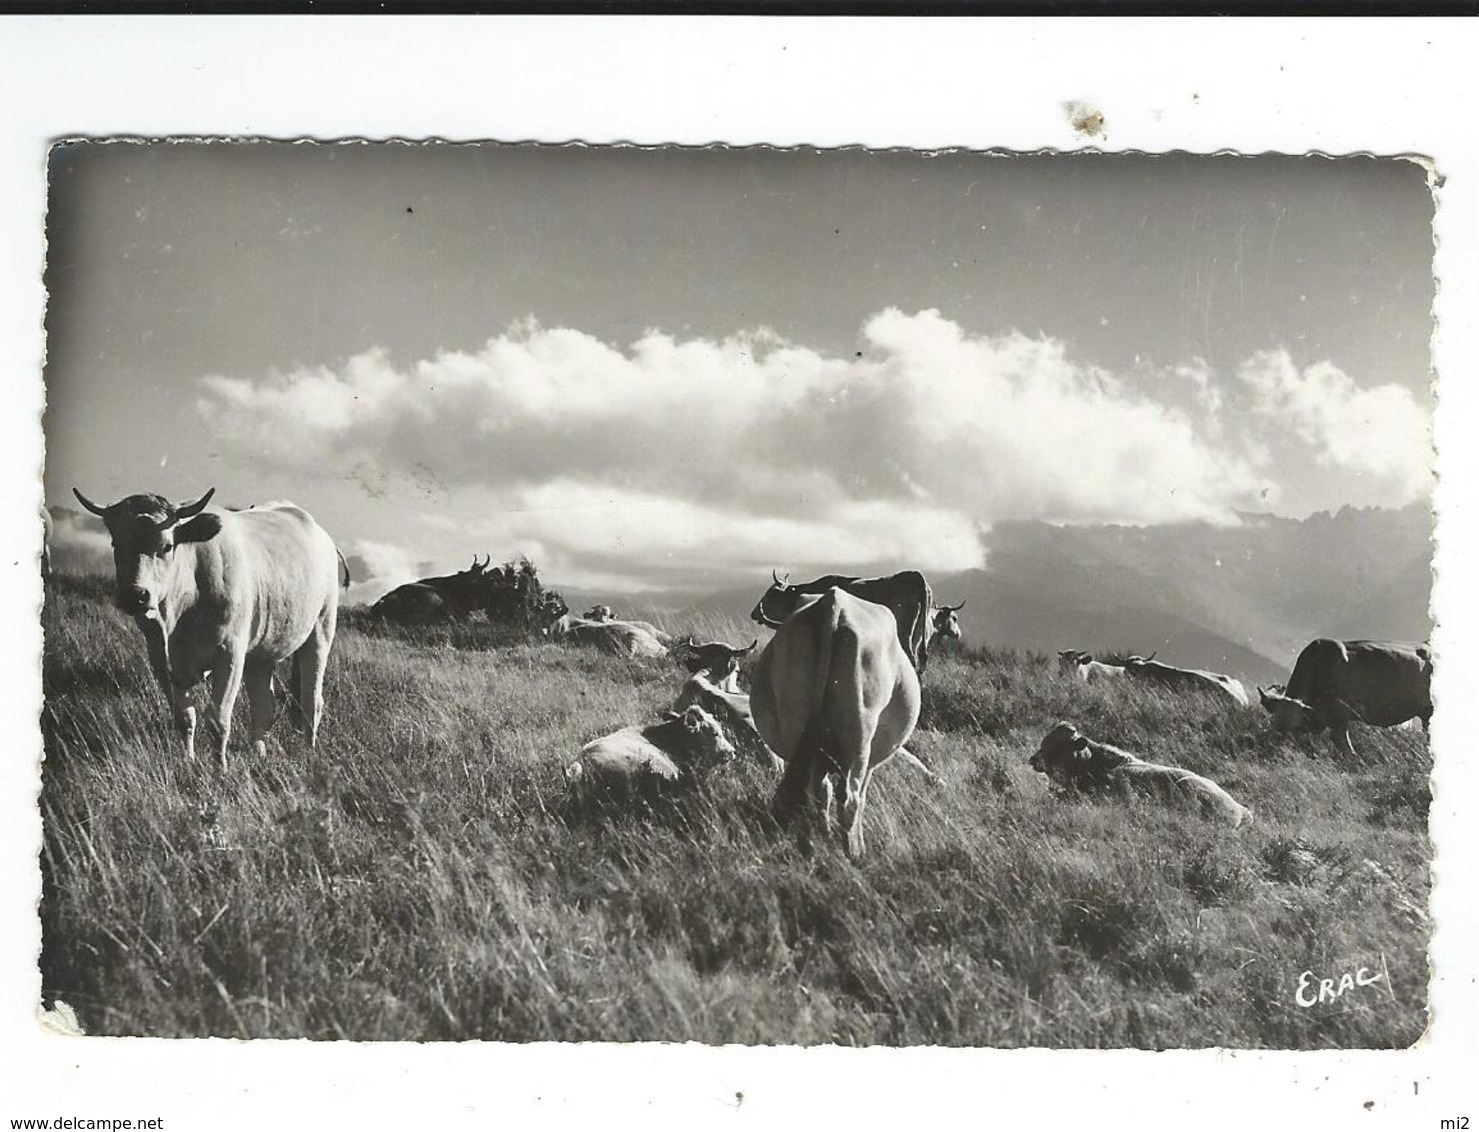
(835, 694)
(228, 594)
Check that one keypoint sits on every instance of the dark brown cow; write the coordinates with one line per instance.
(1335, 683)
(434, 599)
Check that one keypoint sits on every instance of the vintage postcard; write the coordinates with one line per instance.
(584, 516)
(799, 597)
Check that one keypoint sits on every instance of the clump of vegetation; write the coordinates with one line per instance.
(419, 877)
(517, 600)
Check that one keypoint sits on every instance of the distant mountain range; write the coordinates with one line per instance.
(1241, 600)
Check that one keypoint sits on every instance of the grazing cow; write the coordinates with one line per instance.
(435, 599)
(946, 625)
(835, 695)
(906, 594)
(46, 535)
(716, 658)
(229, 594)
(644, 761)
(1085, 668)
(1337, 682)
(732, 710)
(1076, 762)
(1185, 679)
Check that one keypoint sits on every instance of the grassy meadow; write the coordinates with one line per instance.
(420, 876)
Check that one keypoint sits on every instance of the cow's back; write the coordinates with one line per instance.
(1173, 782)
(906, 594)
(1388, 683)
(838, 659)
(619, 765)
(276, 571)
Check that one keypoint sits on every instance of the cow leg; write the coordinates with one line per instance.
(225, 686)
(820, 796)
(915, 761)
(261, 702)
(854, 797)
(310, 663)
(182, 712)
(1341, 733)
(791, 795)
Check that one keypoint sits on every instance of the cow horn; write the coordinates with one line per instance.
(88, 503)
(748, 651)
(1151, 656)
(1263, 695)
(190, 510)
(955, 608)
(779, 581)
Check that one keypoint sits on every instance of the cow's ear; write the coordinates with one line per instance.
(202, 528)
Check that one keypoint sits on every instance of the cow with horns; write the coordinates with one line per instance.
(229, 595)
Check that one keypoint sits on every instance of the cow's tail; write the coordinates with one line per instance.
(806, 763)
(343, 569)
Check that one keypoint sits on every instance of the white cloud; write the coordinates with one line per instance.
(376, 568)
(756, 450)
(1380, 431)
(582, 523)
(79, 543)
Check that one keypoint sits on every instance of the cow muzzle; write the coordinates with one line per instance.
(133, 600)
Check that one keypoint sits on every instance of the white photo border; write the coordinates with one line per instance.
(1337, 86)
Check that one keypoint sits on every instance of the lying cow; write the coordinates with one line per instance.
(732, 710)
(646, 761)
(1337, 682)
(1075, 762)
(621, 638)
(720, 661)
(1083, 667)
(1184, 679)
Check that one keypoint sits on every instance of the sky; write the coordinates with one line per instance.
(650, 368)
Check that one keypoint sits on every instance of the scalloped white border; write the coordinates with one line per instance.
(1390, 87)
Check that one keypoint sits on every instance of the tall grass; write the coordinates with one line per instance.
(419, 875)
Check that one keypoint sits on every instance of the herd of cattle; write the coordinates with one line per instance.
(230, 594)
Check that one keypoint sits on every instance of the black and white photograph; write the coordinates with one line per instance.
(651, 613)
(737, 595)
